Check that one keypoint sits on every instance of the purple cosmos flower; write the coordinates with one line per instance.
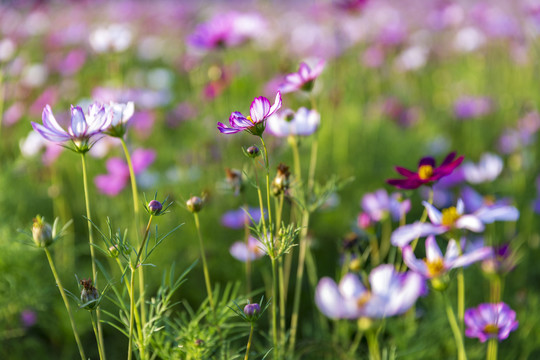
(252, 251)
(237, 219)
(255, 123)
(490, 321)
(119, 116)
(474, 201)
(118, 172)
(303, 123)
(453, 218)
(488, 169)
(502, 260)
(435, 265)
(378, 205)
(302, 79)
(469, 107)
(391, 293)
(427, 172)
(83, 129)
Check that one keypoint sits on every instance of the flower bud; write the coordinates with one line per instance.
(251, 310)
(281, 181)
(195, 204)
(253, 151)
(113, 250)
(42, 232)
(89, 293)
(155, 207)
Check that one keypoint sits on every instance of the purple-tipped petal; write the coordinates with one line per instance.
(472, 257)
(433, 252)
(227, 130)
(50, 135)
(412, 262)
(434, 215)
(470, 222)
(276, 106)
(260, 107)
(407, 233)
(497, 213)
(49, 121)
(78, 123)
(328, 298)
(237, 120)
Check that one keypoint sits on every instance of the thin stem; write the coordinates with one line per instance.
(493, 344)
(96, 333)
(128, 286)
(274, 310)
(373, 345)
(136, 213)
(131, 311)
(461, 297)
(455, 328)
(91, 241)
(282, 292)
(205, 266)
(248, 259)
(249, 342)
(66, 303)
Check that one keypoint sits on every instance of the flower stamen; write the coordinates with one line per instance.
(450, 216)
(425, 172)
(434, 267)
(491, 329)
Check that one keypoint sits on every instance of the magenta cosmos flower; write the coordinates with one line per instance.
(391, 293)
(490, 321)
(303, 78)
(453, 218)
(427, 172)
(82, 131)
(435, 265)
(255, 122)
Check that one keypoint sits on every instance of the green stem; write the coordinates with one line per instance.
(461, 297)
(205, 266)
(373, 345)
(249, 342)
(455, 328)
(136, 212)
(66, 303)
(282, 292)
(274, 310)
(129, 289)
(248, 259)
(96, 333)
(492, 349)
(91, 242)
(131, 312)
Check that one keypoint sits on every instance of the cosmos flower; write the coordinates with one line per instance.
(490, 321)
(237, 219)
(452, 218)
(252, 251)
(259, 111)
(119, 116)
(302, 123)
(469, 107)
(391, 293)
(488, 169)
(427, 172)
(435, 265)
(379, 204)
(302, 79)
(118, 172)
(83, 129)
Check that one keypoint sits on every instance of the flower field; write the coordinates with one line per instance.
(334, 179)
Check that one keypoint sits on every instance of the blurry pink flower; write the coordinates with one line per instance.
(118, 172)
(302, 79)
(252, 251)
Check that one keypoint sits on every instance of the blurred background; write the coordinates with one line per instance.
(402, 80)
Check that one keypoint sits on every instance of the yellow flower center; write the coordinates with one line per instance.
(362, 300)
(425, 172)
(491, 329)
(435, 267)
(449, 216)
(249, 118)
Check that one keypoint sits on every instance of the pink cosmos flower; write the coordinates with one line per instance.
(255, 123)
(303, 79)
(118, 171)
(253, 250)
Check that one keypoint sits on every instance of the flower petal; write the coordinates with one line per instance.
(405, 234)
(434, 215)
(412, 262)
(433, 252)
(328, 298)
(259, 109)
(470, 222)
(78, 123)
(497, 213)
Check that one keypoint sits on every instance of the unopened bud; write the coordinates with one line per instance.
(253, 151)
(89, 293)
(42, 232)
(195, 204)
(155, 207)
(251, 310)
